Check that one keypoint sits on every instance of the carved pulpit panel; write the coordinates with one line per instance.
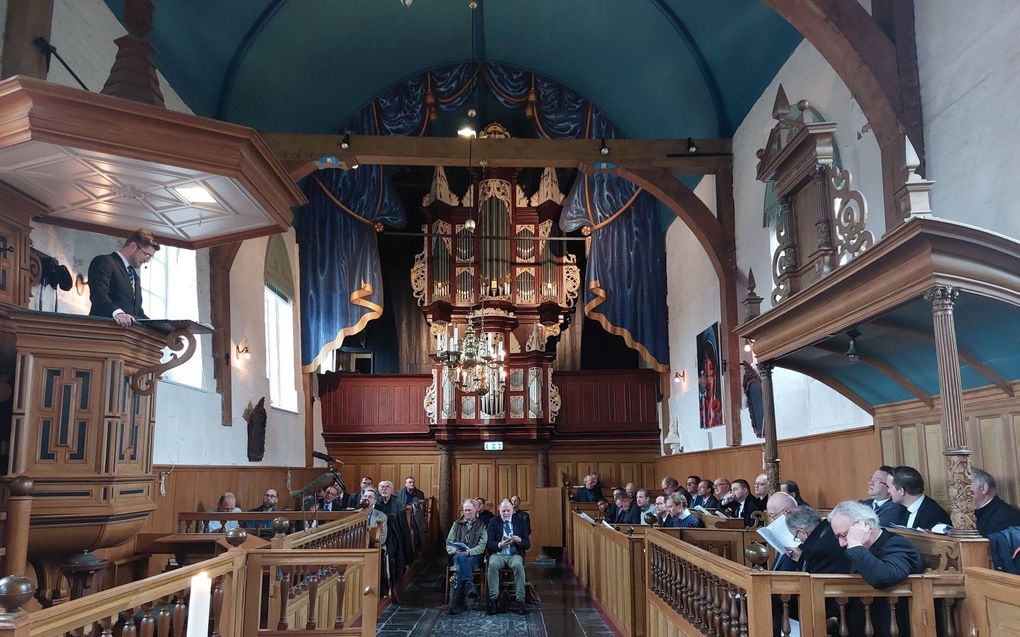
(821, 221)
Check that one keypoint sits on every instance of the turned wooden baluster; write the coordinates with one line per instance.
(894, 626)
(180, 615)
(869, 628)
(148, 627)
(285, 595)
(702, 597)
(716, 618)
(341, 585)
(724, 608)
(743, 613)
(163, 618)
(844, 631)
(672, 568)
(735, 613)
(681, 590)
(128, 628)
(216, 608)
(77, 632)
(785, 628)
(106, 626)
(695, 578)
(313, 591)
(948, 619)
(653, 565)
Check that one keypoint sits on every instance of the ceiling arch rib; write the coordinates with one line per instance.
(725, 127)
(230, 74)
(870, 360)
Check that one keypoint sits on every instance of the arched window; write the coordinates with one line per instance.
(170, 290)
(281, 365)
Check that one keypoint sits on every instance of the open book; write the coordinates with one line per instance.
(778, 536)
(459, 546)
(701, 509)
(588, 518)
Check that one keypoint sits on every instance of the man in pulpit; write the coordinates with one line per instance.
(115, 289)
(507, 542)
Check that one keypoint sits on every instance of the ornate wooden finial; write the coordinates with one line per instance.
(133, 75)
(914, 197)
(752, 302)
(781, 107)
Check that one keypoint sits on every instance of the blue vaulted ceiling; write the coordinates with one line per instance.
(658, 68)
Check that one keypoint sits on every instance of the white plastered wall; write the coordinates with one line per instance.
(188, 428)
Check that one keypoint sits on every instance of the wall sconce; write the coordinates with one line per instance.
(241, 351)
(679, 376)
(80, 283)
(748, 344)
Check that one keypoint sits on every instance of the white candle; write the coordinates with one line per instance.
(455, 332)
(198, 605)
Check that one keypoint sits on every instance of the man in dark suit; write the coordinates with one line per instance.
(410, 493)
(507, 541)
(115, 288)
(743, 503)
(906, 487)
(779, 505)
(626, 511)
(704, 497)
(888, 512)
(333, 500)
(992, 512)
(881, 557)
(590, 492)
(355, 501)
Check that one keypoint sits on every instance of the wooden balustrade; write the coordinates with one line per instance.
(320, 592)
(692, 591)
(992, 596)
(198, 521)
(349, 531)
(16, 525)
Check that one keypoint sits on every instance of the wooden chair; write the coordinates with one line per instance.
(478, 577)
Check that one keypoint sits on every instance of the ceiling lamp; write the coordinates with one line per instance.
(476, 363)
(851, 351)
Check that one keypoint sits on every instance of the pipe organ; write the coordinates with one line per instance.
(495, 290)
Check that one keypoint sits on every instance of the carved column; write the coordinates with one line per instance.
(542, 466)
(445, 486)
(942, 298)
(771, 457)
(824, 223)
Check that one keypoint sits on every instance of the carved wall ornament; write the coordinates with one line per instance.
(548, 189)
(181, 344)
(419, 278)
(942, 297)
(784, 259)
(554, 399)
(571, 279)
(429, 402)
(961, 497)
(851, 215)
(440, 190)
(521, 198)
(494, 188)
(257, 420)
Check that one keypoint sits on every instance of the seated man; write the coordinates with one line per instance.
(906, 487)
(881, 503)
(644, 505)
(484, 514)
(992, 512)
(309, 507)
(761, 488)
(820, 551)
(226, 504)
(626, 511)
(410, 493)
(355, 500)
(881, 557)
(466, 544)
(524, 516)
(792, 488)
(375, 517)
(333, 500)
(269, 501)
(721, 491)
(589, 492)
(631, 489)
(703, 496)
(669, 485)
(506, 544)
(692, 487)
(679, 515)
(779, 505)
(660, 509)
(743, 503)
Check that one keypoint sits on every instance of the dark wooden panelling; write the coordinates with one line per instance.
(608, 401)
(373, 403)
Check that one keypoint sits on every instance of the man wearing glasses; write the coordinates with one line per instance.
(269, 501)
(115, 289)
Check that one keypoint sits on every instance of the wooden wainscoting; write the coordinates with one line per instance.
(829, 467)
(198, 488)
(910, 433)
(390, 462)
(617, 463)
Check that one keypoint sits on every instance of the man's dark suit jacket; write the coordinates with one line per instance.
(585, 494)
(751, 504)
(995, 516)
(339, 504)
(110, 288)
(709, 503)
(889, 513)
(821, 553)
(886, 563)
(495, 530)
(628, 516)
(930, 514)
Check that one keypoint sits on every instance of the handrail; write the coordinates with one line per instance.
(185, 519)
(350, 531)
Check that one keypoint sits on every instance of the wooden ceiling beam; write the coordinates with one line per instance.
(295, 150)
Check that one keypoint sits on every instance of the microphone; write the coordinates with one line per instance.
(322, 456)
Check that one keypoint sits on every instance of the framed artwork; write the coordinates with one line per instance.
(709, 378)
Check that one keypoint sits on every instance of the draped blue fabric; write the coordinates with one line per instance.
(341, 277)
(625, 281)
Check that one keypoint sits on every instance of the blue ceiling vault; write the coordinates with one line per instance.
(658, 68)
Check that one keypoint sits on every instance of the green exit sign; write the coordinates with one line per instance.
(494, 445)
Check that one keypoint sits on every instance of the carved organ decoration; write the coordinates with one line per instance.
(487, 268)
(822, 220)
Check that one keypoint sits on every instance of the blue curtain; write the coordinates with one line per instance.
(625, 280)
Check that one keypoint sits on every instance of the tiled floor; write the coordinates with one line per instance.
(565, 610)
